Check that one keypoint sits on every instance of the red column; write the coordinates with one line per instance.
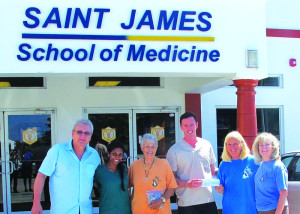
(193, 104)
(246, 109)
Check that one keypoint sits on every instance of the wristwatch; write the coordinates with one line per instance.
(163, 199)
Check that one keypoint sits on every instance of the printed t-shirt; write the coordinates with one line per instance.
(237, 177)
(270, 179)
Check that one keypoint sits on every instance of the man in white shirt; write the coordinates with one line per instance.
(192, 159)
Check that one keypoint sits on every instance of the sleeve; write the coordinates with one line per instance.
(97, 158)
(97, 177)
(212, 155)
(171, 181)
(221, 174)
(130, 176)
(171, 157)
(49, 163)
(281, 177)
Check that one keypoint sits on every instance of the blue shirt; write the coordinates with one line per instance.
(237, 177)
(270, 179)
(71, 179)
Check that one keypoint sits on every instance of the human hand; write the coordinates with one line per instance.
(36, 209)
(156, 204)
(219, 189)
(195, 183)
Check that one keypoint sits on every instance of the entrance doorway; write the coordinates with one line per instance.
(26, 136)
(129, 125)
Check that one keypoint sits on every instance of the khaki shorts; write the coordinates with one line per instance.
(285, 211)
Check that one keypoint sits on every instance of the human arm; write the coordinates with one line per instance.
(220, 189)
(171, 184)
(194, 183)
(37, 192)
(281, 177)
(155, 204)
(214, 170)
(220, 175)
(280, 205)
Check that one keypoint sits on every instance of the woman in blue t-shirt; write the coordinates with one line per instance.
(236, 174)
(112, 182)
(271, 178)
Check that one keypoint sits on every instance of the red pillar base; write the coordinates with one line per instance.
(246, 109)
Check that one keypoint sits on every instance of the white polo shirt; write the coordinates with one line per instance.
(192, 163)
(71, 179)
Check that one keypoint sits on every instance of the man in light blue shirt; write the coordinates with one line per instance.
(71, 167)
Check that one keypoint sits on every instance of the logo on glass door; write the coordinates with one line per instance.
(30, 136)
(158, 132)
(108, 134)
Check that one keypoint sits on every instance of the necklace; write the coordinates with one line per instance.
(262, 173)
(148, 170)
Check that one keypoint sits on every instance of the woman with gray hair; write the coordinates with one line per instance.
(271, 178)
(236, 174)
(152, 180)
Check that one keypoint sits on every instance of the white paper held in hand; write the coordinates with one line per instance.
(211, 182)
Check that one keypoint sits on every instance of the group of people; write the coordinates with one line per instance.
(147, 185)
(250, 184)
(21, 164)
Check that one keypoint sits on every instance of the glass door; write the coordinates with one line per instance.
(3, 207)
(27, 138)
(162, 123)
(111, 125)
(127, 125)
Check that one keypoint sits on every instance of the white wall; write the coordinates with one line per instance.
(280, 15)
(69, 95)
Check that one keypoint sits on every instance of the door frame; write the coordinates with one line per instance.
(87, 111)
(164, 109)
(3, 165)
(4, 113)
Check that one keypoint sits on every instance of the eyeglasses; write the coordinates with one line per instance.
(79, 132)
(117, 155)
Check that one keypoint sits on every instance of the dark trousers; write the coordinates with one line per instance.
(208, 208)
(14, 176)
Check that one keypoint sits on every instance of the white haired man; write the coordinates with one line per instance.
(71, 167)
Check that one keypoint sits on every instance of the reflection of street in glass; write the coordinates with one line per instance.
(27, 168)
(15, 158)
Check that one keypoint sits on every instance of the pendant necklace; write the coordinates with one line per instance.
(148, 170)
(262, 173)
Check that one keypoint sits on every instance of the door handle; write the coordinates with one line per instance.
(1, 161)
(131, 157)
(127, 161)
(11, 167)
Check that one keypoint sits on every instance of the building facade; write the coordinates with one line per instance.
(130, 70)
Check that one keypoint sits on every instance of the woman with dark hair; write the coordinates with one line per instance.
(112, 182)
